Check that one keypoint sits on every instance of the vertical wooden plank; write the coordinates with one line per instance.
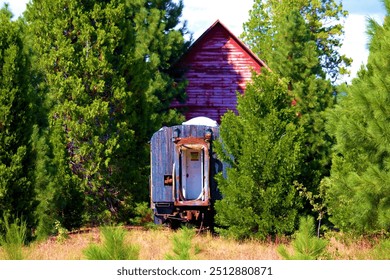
(161, 165)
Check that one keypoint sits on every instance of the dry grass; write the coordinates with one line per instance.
(155, 244)
(357, 249)
(69, 249)
(217, 248)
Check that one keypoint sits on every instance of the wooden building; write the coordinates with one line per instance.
(217, 66)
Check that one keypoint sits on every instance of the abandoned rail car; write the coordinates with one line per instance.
(183, 165)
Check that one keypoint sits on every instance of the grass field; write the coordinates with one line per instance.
(156, 243)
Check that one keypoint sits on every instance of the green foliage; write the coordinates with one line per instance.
(317, 201)
(262, 145)
(106, 85)
(183, 249)
(143, 214)
(382, 250)
(113, 246)
(62, 233)
(277, 30)
(14, 238)
(17, 196)
(286, 34)
(358, 189)
(306, 245)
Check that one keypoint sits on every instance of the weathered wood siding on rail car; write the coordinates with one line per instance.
(162, 157)
(217, 66)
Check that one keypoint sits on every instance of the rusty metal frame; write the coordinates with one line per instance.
(191, 142)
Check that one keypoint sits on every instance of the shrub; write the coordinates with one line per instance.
(143, 215)
(13, 239)
(182, 245)
(113, 247)
(306, 245)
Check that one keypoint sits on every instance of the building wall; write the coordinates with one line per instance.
(217, 68)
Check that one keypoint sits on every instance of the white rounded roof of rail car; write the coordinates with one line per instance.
(201, 121)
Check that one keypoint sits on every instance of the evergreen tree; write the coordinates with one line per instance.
(271, 32)
(106, 86)
(300, 45)
(300, 41)
(262, 145)
(306, 245)
(17, 196)
(358, 193)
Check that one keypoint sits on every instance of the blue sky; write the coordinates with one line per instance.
(363, 7)
(200, 14)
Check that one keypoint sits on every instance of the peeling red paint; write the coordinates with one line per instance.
(218, 66)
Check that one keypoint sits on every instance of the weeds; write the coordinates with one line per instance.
(14, 239)
(306, 245)
(62, 233)
(382, 250)
(113, 247)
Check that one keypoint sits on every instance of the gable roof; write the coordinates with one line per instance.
(216, 66)
(218, 24)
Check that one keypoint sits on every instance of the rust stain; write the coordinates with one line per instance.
(192, 203)
(190, 140)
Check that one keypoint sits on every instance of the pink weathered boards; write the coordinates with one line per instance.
(217, 66)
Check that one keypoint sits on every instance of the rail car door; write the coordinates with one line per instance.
(192, 173)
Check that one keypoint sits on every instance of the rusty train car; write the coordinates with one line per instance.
(183, 165)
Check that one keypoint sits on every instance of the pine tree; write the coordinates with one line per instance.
(182, 245)
(358, 191)
(300, 40)
(113, 246)
(305, 244)
(300, 45)
(262, 145)
(272, 34)
(17, 196)
(107, 86)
